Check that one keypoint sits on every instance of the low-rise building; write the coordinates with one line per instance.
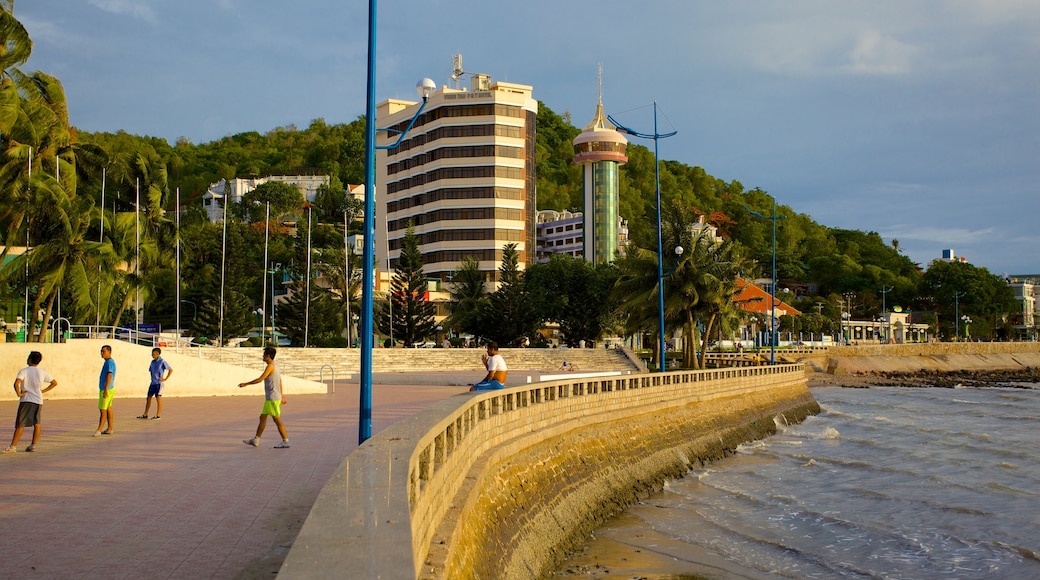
(235, 189)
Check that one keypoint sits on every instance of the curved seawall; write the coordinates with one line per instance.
(502, 484)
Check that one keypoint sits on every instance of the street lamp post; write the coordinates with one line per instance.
(660, 249)
(847, 298)
(957, 314)
(884, 310)
(425, 88)
(772, 285)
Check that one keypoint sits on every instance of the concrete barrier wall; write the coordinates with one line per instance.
(934, 349)
(76, 365)
(501, 484)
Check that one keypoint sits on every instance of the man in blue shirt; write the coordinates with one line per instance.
(160, 371)
(106, 392)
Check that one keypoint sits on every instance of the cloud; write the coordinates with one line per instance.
(876, 53)
(943, 236)
(132, 8)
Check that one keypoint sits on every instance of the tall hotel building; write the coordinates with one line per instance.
(464, 176)
(600, 150)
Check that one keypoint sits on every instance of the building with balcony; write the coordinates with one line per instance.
(463, 177)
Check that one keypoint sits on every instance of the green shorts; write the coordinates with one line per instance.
(272, 408)
(104, 403)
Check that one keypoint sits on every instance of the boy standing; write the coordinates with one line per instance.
(273, 399)
(156, 369)
(106, 392)
(30, 400)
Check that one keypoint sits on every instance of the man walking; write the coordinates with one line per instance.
(273, 399)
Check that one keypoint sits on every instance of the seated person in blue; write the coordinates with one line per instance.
(496, 366)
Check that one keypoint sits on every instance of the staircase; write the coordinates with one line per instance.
(323, 363)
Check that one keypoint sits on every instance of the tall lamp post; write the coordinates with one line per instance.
(660, 249)
(772, 284)
(425, 89)
(957, 314)
(884, 310)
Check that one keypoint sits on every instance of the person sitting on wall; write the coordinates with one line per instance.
(496, 367)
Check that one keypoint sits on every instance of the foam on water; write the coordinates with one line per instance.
(885, 482)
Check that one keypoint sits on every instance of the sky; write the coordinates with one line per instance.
(916, 120)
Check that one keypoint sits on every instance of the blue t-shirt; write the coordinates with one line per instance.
(157, 368)
(109, 366)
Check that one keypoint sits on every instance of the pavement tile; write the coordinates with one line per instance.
(181, 497)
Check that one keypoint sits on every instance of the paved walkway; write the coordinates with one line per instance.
(182, 497)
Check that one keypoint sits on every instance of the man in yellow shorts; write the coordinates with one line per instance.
(106, 392)
(273, 399)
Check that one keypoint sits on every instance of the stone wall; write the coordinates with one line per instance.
(501, 484)
(939, 357)
(76, 365)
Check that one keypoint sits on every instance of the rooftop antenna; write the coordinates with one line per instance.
(478, 81)
(456, 68)
(600, 73)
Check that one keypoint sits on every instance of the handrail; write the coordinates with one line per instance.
(321, 376)
(424, 461)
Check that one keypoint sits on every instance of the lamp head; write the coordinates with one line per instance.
(679, 250)
(425, 88)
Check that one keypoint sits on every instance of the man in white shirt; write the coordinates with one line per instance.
(496, 366)
(29, 387)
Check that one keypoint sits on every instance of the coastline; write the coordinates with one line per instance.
(924, 379)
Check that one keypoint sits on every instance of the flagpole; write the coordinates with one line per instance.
(177, 208)
(137, 260)
(223, 261)
(263, 296)
(307, 310)
(101, 240)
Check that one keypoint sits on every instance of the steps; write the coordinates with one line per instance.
(323, 363)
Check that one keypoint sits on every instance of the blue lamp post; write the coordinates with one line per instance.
(425, 89)
(660, 250)
(772, 284)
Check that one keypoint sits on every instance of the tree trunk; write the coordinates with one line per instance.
(707, 334)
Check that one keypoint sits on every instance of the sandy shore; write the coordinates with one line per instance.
(625, 548)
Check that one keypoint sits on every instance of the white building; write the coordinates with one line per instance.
(213, 199)
(464, 176)
(563, 232)
(1024, 322)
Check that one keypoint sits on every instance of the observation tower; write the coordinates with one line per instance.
(600, 150)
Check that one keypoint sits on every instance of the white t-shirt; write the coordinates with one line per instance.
(33, 381)
(496, 363)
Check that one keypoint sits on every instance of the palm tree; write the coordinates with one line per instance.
(40, 205)
(699, 285)
(15, 48)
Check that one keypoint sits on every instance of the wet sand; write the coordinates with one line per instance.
(624, 547)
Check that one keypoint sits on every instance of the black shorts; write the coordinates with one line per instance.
(28, 414)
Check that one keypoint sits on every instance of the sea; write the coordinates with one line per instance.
(886, 482)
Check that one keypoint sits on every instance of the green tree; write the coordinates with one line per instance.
(962, 289)
(319, 325)
(408, 314)
(573, 293)
(285, 199)
(508, 316)
(466, 295)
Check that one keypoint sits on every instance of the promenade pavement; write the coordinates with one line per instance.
(181, 497)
